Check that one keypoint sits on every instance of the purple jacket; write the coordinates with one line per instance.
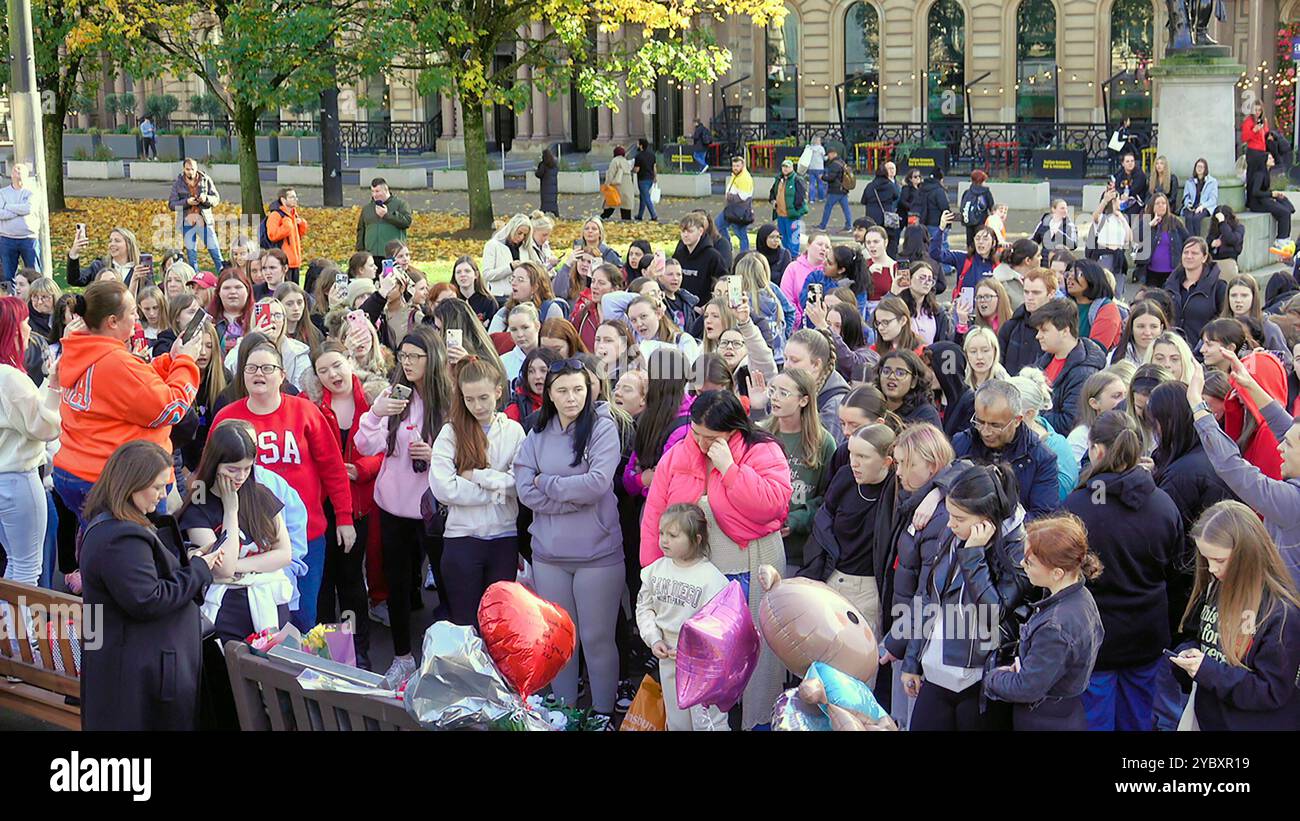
(632, 474)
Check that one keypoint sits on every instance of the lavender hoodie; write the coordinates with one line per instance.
(1277, 501)
(575, 514)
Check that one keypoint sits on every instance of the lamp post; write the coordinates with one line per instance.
(25, 105)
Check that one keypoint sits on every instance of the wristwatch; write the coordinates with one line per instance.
(1201, 406)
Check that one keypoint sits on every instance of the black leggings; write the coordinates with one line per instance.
(623, 213)
(342, 586)
(938, 708)
(1280, 212)
(404, 546)
(469, 567)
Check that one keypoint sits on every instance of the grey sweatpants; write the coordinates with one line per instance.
(591, 596)
(23, 512)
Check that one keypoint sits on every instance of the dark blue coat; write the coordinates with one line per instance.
(1086, 359)
(1033, 461)
(1058, 648)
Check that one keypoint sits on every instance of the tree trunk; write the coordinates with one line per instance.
(53, 130)
(331, 151)
(476, 169)
(250, 183)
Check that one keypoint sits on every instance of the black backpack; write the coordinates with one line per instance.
(263, 240)
(974, 207)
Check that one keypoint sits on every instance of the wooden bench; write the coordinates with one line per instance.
(268, 697)
(43, 688)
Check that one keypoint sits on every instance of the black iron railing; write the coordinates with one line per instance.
(1009, 146)
(357, 135)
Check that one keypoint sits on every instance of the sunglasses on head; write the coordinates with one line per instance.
(563, 364)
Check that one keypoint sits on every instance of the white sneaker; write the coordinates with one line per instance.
(379, 613)
(402, 668)
(429, 582)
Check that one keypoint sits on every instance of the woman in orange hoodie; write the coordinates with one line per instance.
(111, 396)
(1242, 418)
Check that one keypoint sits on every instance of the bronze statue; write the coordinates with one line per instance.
(1189, 22)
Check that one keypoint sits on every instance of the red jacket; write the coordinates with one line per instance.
(295, 442)
(1252, 139)
(363, 487)
(523, 398)
(1262, 449)
(1107, 327)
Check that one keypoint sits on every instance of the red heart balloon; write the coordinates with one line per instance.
(529, 638)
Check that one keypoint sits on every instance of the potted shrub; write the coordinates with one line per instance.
(122, 142)
(223, 165)
(98, 164)
(74, 141)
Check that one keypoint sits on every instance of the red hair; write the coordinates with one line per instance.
(12, 313)
(215, 308)
(978, 177)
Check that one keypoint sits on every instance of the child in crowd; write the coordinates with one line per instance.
(673, 589)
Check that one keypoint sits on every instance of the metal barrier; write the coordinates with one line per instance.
(356, 135)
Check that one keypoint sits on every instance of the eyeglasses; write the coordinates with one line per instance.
(897, 373)
(572, 364)
(778, 393)
(265, 370)
(922, 278)
(411, 357)
(986, 297)
(991, 427)
(880, 320)
(731, 344)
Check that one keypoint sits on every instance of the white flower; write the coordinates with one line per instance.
(535, 702)
(557, 719)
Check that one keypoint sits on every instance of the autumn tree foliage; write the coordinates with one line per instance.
(456, 44)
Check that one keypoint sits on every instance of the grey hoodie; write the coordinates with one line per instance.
(1278, 502)
(575, 514)
(829, 400)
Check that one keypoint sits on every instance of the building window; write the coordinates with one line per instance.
(862, 63)
(1036, 61)
(783, 70)
(946, 69)
(1132, 37)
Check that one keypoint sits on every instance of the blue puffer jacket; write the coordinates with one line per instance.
(965, 277)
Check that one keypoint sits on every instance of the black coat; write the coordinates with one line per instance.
(1230, 239)
(1191, 481)
(930, 202)
(1194, 309)
(1086, 359)
(1033, 461)
(834, 176)
(550, 184)
(907, 201)
(145, 675)
(1058, 648)
(1137, 532)
(1019, 342)
(881, 196)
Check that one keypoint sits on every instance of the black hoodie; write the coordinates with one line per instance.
(701, 267)
(930, 202)
(949, 363)
(1137, 532)
(1281, 288)
(1019, 342)
(776, 259)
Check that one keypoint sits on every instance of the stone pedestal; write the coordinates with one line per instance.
(1196, 110)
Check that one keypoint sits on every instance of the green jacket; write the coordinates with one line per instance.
(796, 195)
(809, 489)
(374, 233)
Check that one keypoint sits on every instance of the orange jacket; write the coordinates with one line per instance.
(288, 231)
(111, 397)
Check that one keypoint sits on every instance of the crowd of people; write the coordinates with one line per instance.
(1098, 495)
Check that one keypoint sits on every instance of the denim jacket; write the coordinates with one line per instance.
(1058, 647)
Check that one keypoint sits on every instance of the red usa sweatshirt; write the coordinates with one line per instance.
(296, 442)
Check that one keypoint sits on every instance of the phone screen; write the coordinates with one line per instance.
(146, 268)
(387, 269)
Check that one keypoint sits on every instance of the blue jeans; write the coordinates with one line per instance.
(13, 251)
(701, 158)
(741, 231)
(1122, 699)
(210, 242)
(816, 191)
(644, 187)
(842, 200)
(23, 524)
(743, 578)
(785, 226)
(304, 618)
(51, 542)
(73, 491)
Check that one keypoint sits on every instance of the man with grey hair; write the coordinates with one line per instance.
(998, 434)
(20, 222)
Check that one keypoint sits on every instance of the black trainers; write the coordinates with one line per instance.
(626, 693)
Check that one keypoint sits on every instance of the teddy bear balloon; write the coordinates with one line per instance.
(805, 621)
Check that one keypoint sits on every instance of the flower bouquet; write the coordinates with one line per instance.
(565, 718)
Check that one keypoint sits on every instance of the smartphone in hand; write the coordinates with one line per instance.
(144, 270)
(401, 392)
(261, 314)
(454, 338)
(193, 326)
(735, 293)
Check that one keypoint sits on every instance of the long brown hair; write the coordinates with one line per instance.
(557, 328)
(471, 441)
(1255, 576)
(810, 424)
(906, 338)
(232, 441)
(541, 285)
(434, 387)
(131, 468)
(215, 309)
